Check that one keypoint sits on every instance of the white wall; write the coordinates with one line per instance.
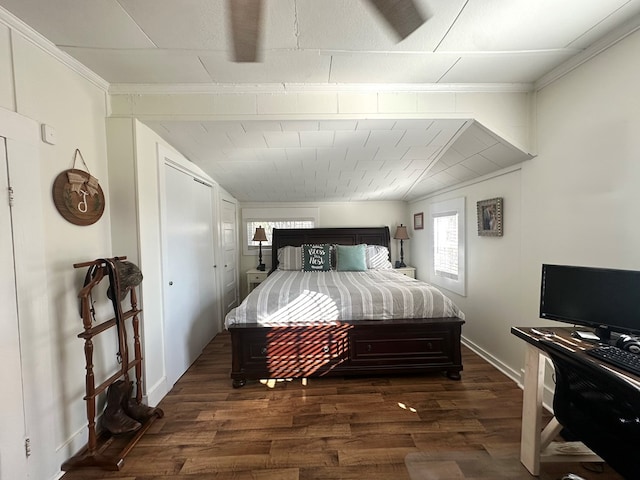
(575, 203)
(46, 92)
(135, 172)
(6, 73)
(581, 196)
(492, 301)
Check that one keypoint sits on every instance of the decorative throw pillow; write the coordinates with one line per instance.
(351, 258)
(290, 258)
(378, 257)
(316, 258)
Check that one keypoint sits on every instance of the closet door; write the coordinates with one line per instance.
(190, 308)
(230, 253)
(12, 418)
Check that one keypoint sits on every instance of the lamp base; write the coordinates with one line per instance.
(400, 264)
(262, 267)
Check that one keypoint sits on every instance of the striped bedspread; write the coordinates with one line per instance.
(287, 297)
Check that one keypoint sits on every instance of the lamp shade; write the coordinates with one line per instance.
(401, 233)
(260, 235)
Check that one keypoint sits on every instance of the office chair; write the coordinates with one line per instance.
(600, 408)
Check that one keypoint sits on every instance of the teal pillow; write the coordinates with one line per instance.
(316, 258)
(351, 258)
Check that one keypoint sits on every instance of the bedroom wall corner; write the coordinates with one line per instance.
(492, 301)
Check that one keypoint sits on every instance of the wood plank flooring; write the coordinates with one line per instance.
(415, 427)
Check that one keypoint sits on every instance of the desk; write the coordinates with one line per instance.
(536, 444)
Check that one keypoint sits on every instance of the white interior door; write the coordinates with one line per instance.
(207, 323)
(12, 418)
(230, 253)
(190, 293)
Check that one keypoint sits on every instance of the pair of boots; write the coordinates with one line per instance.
(122, 413)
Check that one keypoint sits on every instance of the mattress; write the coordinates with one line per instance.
(296, 297)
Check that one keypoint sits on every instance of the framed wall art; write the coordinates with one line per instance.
(490, 217)
(418, 221)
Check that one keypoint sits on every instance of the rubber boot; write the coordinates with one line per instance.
(138, 411)
(114, 418)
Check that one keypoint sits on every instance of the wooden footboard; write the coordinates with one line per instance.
(359, 348)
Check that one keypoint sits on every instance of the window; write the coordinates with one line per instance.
(447, 221)
(270, 218)
(270, 225)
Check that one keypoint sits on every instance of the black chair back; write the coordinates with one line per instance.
(599, 407)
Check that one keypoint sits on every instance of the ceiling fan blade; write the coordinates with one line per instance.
(403, 15)
(245, 28)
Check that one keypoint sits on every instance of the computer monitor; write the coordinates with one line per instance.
(605, 299)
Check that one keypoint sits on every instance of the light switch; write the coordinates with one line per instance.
(49, 134)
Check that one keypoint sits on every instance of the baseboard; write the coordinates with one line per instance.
(503, 367)
(515, 375)
(156, 393)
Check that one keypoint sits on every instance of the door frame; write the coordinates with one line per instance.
(13, 460)
(228, 199)
(22, 138)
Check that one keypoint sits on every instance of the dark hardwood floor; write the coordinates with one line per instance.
(419, 428)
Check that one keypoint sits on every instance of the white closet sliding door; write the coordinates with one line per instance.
(190, 303)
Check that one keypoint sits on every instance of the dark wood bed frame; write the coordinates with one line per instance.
(399, 346)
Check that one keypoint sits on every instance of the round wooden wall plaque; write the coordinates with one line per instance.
(78, 197)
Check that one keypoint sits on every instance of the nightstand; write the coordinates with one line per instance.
(408, 271)
(255, 278)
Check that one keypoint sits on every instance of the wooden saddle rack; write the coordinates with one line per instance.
(104, 449)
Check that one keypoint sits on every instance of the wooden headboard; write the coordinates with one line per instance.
(295, 237)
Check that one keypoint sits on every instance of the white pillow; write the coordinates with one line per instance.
(378, 257)
(290, 258)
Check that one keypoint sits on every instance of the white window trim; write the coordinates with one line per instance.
(273, 213)
(453, 206)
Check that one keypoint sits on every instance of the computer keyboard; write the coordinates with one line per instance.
(627, 361)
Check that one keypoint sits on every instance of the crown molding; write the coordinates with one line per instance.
(275, 88)
(18, 26)
(609, 40)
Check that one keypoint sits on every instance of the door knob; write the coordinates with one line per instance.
(170, 283)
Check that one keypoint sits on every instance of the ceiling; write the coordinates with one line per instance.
(339, 160)
(330, 42)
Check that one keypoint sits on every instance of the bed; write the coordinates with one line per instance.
(362, 321)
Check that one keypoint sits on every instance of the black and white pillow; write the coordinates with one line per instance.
(316, 258)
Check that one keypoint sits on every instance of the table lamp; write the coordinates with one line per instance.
(401, 234)
(260, 236)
